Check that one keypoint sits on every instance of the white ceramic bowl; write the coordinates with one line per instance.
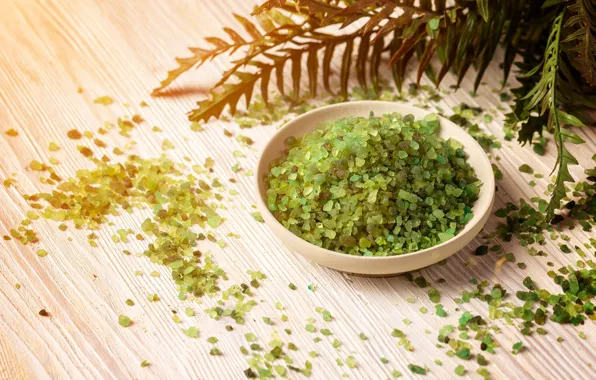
(376, 266)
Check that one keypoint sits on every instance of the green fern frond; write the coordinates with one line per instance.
(544, 96)
(582, 38)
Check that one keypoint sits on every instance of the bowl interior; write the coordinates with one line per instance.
(305, 123)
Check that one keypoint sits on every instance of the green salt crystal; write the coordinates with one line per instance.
(367, 186)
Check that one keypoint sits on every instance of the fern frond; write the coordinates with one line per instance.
(267, 6)
(230, 96)
(483, 9)
(293, 36)
(346, 63)
(582, 39)
(564, 159)
(375, 61)
(184, 64)
(544, 96)
(284, 31)
(362, 57)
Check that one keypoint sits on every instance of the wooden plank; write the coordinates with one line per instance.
(123, 49)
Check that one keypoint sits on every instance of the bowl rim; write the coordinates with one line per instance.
(489, 186)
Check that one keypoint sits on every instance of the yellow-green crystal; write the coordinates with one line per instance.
(376, 186)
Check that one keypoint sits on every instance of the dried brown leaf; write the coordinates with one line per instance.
(406, 46)
(375, 61)
(312, 64)
(327, 58)
(376, 19)
(361, 59)
(296, 58)
(346, 63)
(429, 51)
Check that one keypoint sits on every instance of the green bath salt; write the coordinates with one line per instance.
(373, 186)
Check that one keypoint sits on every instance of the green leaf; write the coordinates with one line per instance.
(433, 24)
(547, 86)
(566, 118)
(571, 137)
(483, 9)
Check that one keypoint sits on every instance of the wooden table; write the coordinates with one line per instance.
(123, 48)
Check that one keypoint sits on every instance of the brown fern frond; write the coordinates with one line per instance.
(249, 27)
(184, 64)
(398, 69)
(304, 37)
(407, 45)
(230, 96)
(450, 49)
(440, 6)
(429, 51)
(486, 51)
(312, 64)
(463, 36)
(346, 63)
(260, 43)
(385, 12)
(316, 8)
(361, 58)
(267, 6)
(358, 8)
(327, 58)
(296, 58)
(375, 61)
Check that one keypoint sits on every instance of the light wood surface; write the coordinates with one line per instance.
(48, 49)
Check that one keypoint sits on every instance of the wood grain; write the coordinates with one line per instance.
(123, 49)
